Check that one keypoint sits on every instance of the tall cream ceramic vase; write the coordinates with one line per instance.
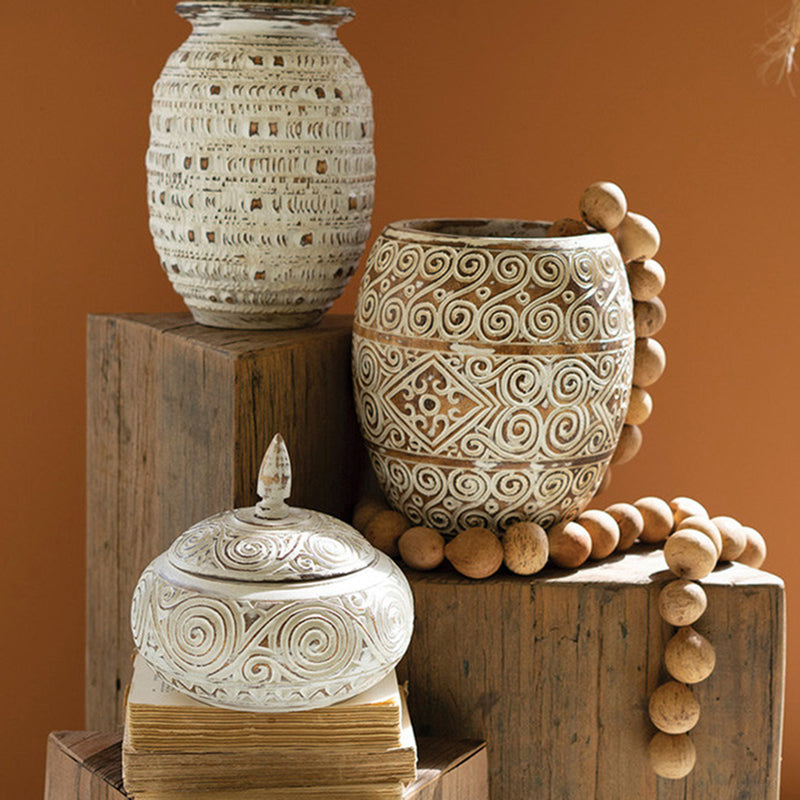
(260, 170)
(492, 369)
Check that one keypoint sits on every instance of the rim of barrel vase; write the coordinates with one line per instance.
(302, 13)
(513, 233)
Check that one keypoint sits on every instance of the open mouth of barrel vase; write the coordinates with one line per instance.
(492, 369)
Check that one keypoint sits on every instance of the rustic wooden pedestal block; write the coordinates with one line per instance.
(179, 417)
(555, 672)
(82, 765)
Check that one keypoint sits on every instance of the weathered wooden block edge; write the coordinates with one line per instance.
(87, 765)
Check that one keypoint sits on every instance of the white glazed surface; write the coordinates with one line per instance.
(280, 647)
(302, 545)
(492, 369)
(260, 168)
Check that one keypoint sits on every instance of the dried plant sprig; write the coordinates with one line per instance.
(781, 48)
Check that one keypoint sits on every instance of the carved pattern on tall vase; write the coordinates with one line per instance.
(260, 170)
(492, 369)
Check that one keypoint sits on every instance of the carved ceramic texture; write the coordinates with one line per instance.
(225, 546)
(260, 167)
(273, 650)
(492, 381)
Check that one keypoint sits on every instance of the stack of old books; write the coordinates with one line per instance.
(176, 748)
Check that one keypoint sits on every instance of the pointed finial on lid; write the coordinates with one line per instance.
(274, 481)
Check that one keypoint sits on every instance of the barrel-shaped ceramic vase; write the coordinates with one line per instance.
(492, 369)
(261, 169)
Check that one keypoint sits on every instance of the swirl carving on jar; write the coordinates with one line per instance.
(492, 369)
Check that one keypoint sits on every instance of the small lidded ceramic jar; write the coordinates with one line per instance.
(272, 608)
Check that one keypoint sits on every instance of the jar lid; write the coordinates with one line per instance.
(271, 542)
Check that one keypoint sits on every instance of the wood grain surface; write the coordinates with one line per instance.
(84, 765)
(179, 417)
(555, 672)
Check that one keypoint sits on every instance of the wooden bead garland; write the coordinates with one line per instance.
(603, 530)
(366, 509)
(682, 602)
(683, 507)
(691, 547)
(638, 238)
(475, 552)
(704, 525)
(689, 657)
(603, 206)
(673, 708)
(525, 548)
(649, 362)
(734, 538)
(570, 544)
(646, 279)
(421, 548)
(690, 554)
(649, 317)
(693, 544)
(672, 755)
(755, 548)
(630, 440)
(384, 529)
(658, 519)
(640, 406)
(630, 522)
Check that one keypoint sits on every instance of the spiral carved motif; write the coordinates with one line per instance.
(228, 547)
(491, 380)
(260, 169)
(259, 652)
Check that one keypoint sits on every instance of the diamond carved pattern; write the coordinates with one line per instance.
(433, 402)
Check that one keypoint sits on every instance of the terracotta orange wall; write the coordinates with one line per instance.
(482, 109)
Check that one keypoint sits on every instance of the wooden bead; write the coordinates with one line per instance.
(525, 548)
(605, 482)
(638, 238)
(755, 548)
(475, 552)
(646, 279)
(384, 529)
(734, 539)
(657, 516)
(690, 554)
(673, 708)
(682, 602)
(366, 509)
(602, 529)
(630, 522)
(566, 227)
(640, 406)
(630, 441)
(689, 657)
(421, 548)
(649, 362)
(704, 525)
(683, 507)
(603, 205)
(649, 317)
(570, 544)
(672, 755)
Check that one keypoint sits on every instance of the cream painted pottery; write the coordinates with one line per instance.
(272, 608)
(492, 369)
(260, 170)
